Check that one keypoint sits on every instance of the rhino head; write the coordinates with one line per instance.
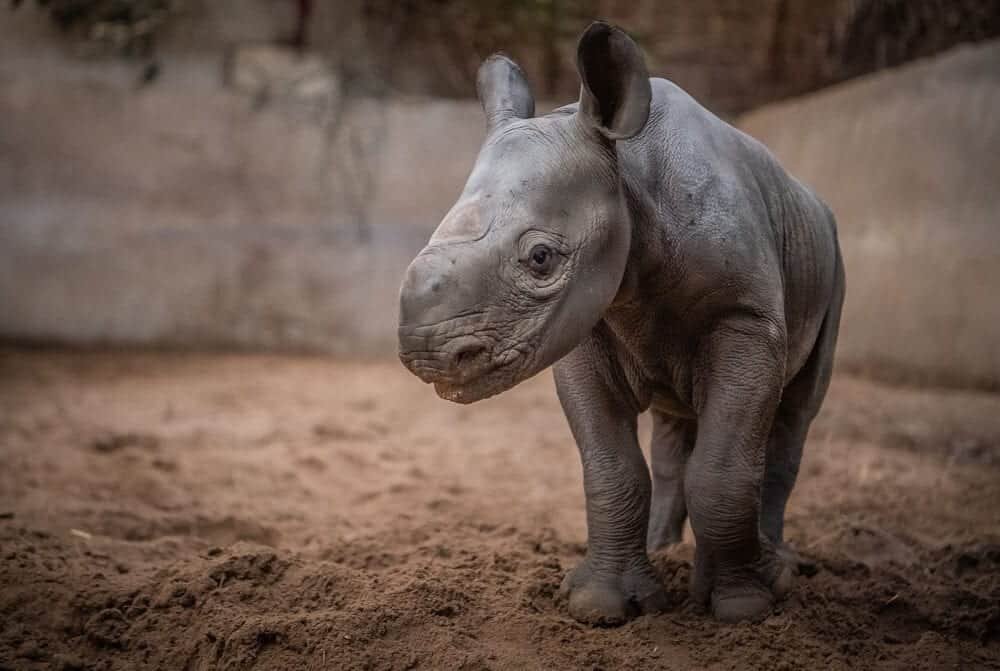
(523, 266)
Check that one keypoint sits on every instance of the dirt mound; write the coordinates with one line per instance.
(234, 512)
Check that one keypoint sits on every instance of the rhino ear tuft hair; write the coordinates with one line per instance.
(503, 91)
(615, 92)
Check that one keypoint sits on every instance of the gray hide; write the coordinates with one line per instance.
(661, 260)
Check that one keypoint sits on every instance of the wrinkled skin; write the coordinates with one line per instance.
(661, 260)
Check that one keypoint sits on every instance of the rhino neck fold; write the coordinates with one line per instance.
(646, 255)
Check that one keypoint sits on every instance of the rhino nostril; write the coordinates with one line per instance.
(468, 353)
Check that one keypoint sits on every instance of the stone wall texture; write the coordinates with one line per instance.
(733, 55)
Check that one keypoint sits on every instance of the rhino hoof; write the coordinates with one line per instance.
(608, 600)
(751, 605)
(741, 607)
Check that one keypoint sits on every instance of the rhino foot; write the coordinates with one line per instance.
(610, 598)
(745, 593)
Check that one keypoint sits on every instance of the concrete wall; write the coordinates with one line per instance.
(909, 160)
(187, 213)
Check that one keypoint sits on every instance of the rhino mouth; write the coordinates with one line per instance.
(464, 368)
(498, 377)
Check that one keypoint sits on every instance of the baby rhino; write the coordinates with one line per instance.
(661, 260)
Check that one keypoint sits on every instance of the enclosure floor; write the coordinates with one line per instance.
(174, 511)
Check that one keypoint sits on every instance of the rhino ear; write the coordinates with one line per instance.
(615, 91)
(503, 91)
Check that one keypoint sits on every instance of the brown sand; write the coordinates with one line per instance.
(171, 511)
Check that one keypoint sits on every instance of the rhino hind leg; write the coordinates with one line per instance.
(800, 403)
(673, 440)
(784, 453)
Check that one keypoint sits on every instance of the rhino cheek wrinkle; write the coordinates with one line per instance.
(659, 259)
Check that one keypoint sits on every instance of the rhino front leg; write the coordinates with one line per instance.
(739, 380)
(615, 580)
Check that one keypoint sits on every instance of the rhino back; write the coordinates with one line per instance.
(731, 215)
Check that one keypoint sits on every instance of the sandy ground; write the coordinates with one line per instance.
(170, 511)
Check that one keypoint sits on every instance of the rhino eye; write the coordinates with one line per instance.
(541, 259)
